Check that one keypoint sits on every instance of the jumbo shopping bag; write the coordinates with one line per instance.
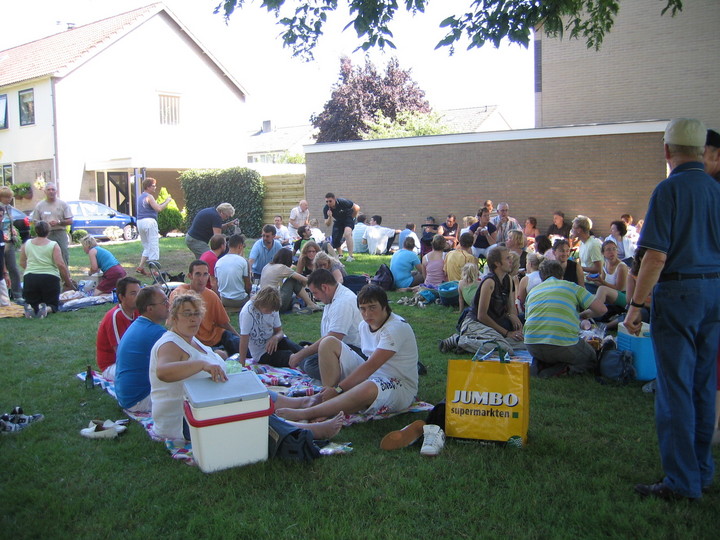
(487, 400)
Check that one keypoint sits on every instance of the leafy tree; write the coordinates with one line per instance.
(406, 124)
(360, 93)
(485, 20)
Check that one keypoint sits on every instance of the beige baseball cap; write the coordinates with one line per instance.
(685, 132)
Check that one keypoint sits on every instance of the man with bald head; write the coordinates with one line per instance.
(58, 215)
(299, 216)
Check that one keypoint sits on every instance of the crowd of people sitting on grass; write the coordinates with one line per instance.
(512, 285)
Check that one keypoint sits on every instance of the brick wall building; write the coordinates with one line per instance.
(579, 170)
(649, 67)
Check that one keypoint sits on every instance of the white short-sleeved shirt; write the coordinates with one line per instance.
(342, 316)
(259, 327)
(229, 271)
(377, 237)
(398, 336)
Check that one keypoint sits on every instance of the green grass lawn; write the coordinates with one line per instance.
(588, 444)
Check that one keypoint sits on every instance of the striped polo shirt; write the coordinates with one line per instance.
(552, 312)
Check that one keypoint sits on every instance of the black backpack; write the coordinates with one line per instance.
(383, 278)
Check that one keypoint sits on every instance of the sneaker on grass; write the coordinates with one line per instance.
(29, 312)
(433, 441)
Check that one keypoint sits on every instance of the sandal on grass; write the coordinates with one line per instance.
(141, 270)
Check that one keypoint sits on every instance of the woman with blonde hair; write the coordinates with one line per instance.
(102, 260)
(531, 278)
(177, 356)
(306, 261)
(468, 284)
(323, 260)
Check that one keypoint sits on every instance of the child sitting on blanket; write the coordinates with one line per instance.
(386, 382)
(261, 332)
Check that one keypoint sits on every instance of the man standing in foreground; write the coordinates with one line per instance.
(341, 213)
(683, 258)
(58, 215)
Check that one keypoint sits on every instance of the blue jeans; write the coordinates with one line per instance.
(230, 342)
(685, 324)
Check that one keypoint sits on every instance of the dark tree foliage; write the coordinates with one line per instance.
(484, 21)
(360, 93)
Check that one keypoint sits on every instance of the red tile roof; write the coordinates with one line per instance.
(54, 55)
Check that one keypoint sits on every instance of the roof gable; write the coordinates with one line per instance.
(58, 54)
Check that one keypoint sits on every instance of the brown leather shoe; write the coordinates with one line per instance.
(659, 490)
(403, 437)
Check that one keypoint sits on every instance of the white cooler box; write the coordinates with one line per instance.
(228, 421)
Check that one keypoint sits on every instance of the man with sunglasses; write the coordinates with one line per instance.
(132, 382)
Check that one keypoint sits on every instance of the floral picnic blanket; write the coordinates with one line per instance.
(286, 381)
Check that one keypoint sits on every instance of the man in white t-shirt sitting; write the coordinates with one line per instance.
(379, 239)
(340, 319)
(232, 273)
(386, 382)
(282, 233)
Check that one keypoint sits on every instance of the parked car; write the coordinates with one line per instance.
(21, 223)
(95, 217)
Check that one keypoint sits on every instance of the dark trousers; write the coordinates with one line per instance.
(281, 356)
(42, 289)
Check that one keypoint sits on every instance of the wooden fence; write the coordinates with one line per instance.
(282, 194)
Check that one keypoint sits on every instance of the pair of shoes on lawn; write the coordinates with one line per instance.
(433, 438)
(659, 490)
(97, 429)
(41, 313)
(17, 420)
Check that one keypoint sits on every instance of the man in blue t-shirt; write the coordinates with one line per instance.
(208, 222)
(405, 266)
(132, 381)
(263, 250)
(682, 270)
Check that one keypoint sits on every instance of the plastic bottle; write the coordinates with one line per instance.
(89, 382)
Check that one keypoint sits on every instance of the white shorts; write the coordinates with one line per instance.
(148, 231)
(109, 372)
(393, 396)
(349, 361)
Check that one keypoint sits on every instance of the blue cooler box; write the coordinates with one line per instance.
(642, 349)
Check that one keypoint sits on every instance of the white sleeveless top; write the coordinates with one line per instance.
(612, 278)
(167, 398)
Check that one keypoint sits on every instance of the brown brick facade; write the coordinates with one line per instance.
(602, 176)
(649, 67)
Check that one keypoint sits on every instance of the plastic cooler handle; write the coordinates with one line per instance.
(225, 419)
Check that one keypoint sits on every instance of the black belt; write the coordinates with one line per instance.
(676, 276)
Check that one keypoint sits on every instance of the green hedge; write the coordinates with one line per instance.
(169, 218)
(243, 188)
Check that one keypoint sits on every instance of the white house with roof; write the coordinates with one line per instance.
(129, 96)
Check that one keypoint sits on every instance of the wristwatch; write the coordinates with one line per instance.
(633, 304)
(338, 389)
